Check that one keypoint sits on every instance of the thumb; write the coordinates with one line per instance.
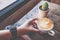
(35, 30)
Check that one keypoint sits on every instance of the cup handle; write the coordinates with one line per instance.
(51, 32)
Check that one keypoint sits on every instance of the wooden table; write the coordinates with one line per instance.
(54, 14)
(56, 1)
(17, 13)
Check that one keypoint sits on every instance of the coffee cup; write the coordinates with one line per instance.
(45, 25)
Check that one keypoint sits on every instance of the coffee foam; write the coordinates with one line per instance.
(45, 24)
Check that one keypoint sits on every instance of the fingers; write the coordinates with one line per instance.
(30, 21)
(35, 30)
(33, 22)
(34, 25)
(34, 19)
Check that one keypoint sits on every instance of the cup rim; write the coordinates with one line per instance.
(46, 29)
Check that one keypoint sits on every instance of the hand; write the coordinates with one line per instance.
(29, 26)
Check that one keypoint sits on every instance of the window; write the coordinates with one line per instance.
(5, 3)
(8, 7)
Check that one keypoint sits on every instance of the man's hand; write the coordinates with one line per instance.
(29, 26)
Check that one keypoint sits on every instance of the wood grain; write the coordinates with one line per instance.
(18, 14)
(54, 15)
(56, 1)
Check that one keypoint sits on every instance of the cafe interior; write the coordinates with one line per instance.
(14, 13)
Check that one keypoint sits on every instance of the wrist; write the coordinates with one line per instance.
(13, 31)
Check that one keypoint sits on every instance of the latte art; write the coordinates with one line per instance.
(45, 24)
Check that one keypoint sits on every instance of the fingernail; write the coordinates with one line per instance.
(35, 26)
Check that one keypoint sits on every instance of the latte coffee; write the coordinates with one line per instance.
(45, 24)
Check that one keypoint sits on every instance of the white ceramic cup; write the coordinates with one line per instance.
(48, 30)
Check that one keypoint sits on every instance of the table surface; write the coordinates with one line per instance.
(54, 14)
